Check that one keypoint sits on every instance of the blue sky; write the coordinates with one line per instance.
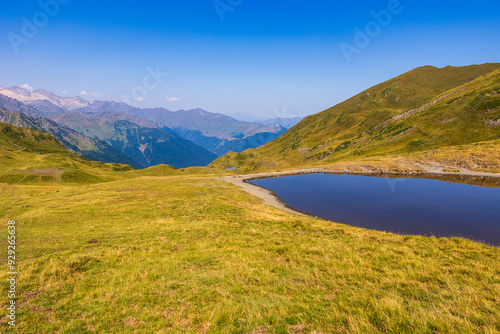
(264, 58)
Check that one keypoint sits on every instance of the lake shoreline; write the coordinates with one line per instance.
(272, 199)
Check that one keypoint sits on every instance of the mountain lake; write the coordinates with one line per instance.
(410, 206)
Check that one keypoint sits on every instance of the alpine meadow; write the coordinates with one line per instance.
(129, 134)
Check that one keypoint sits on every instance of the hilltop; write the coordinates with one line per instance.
(424, 109)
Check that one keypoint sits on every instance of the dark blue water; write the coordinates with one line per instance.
(413, 206)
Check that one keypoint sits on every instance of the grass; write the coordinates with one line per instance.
(190, 254)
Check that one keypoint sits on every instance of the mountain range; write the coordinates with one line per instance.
(90, 148)
(116, 132)
(43, 100)
(421, 110)
(138, 138)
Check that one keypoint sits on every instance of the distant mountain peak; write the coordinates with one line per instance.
(32, 98)
(17, 90)
(201, 112)
(44, 92)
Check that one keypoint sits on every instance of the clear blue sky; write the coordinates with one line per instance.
(265, 58)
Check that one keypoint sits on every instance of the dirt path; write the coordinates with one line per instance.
(270, 198)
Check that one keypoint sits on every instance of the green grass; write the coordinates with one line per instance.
(190, 254)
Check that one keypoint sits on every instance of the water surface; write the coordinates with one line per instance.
(414, 206)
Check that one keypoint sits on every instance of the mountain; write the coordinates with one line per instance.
(422, 109)
(15, 113)
(215, 132)
(107, 136)
(101, 106)
(30, 156)
(15, 139)
(37, 97)
(11, 104)
(77, 143)
(84, 121)
(209, 124)
(45, 107)
(220, 146)
(138, 138)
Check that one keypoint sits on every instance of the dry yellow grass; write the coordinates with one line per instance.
(190, 254)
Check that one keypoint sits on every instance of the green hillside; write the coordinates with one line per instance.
(30, 156)
(14, 139)
(436, 108)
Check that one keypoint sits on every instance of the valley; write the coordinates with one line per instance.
(201, 136)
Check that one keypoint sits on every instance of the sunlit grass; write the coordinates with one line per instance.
(193, 254)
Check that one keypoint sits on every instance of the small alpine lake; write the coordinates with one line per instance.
(412, 206)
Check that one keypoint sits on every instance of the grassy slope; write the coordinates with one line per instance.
(349, 130)
(460, 116)
(201, 255)
(481, 156)
(29, 156)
